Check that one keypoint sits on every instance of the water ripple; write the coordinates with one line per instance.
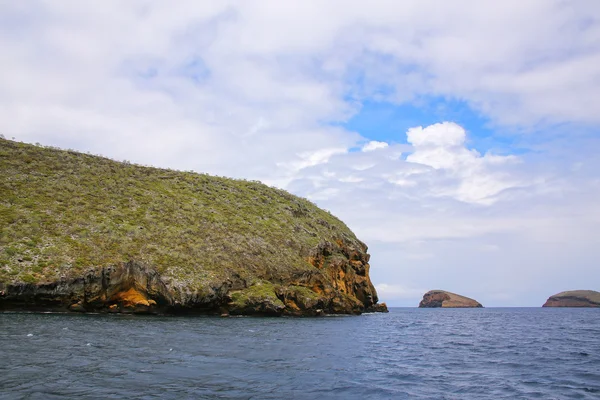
(408, 353)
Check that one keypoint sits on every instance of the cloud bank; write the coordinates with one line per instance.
(262, 90)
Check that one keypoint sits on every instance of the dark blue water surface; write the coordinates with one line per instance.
(409, 353)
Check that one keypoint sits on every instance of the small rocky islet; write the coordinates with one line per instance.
(574, 298)
(84, 233)
(444, 299)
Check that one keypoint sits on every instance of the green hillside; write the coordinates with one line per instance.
(63, 213)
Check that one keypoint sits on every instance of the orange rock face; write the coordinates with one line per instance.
(574, 298)
(344, 277)
(133, 298)
(441, 298)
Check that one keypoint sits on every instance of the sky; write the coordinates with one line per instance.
(458, 139)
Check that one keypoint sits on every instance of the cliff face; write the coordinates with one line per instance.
(441, 298)
(340, 288)
(83, 233)
(574, 298)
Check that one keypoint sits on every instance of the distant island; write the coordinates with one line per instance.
(574, 298)
(84, 233)
(444, 299)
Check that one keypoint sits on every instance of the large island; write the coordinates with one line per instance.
(84, 233)
(574, 298)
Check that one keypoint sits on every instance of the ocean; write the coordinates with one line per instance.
(490, 353)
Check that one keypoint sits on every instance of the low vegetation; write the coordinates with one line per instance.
(63, 212)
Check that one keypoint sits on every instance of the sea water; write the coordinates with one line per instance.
(490, 353)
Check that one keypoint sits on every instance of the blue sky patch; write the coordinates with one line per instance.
(385, 121)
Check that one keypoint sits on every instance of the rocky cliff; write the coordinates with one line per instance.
(84, 233)
(574, 298)
(441, 298)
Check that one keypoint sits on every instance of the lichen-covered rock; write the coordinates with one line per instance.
(82, 233)
(574, 298)
(441, 298)
(134, 288)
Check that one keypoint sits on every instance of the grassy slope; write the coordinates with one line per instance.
(62, 212)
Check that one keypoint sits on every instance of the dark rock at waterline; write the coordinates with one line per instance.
(134, 288)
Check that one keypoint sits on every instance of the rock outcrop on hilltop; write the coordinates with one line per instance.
(441, 298)
(83, 233)
(574, 298)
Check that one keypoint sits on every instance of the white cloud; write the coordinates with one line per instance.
(396, 292)
(480, 178)
(374, 145)
(439, 135)
(311, 158)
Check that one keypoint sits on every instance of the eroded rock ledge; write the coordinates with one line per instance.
(574, 298)
(441, 298)
(337, 284)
